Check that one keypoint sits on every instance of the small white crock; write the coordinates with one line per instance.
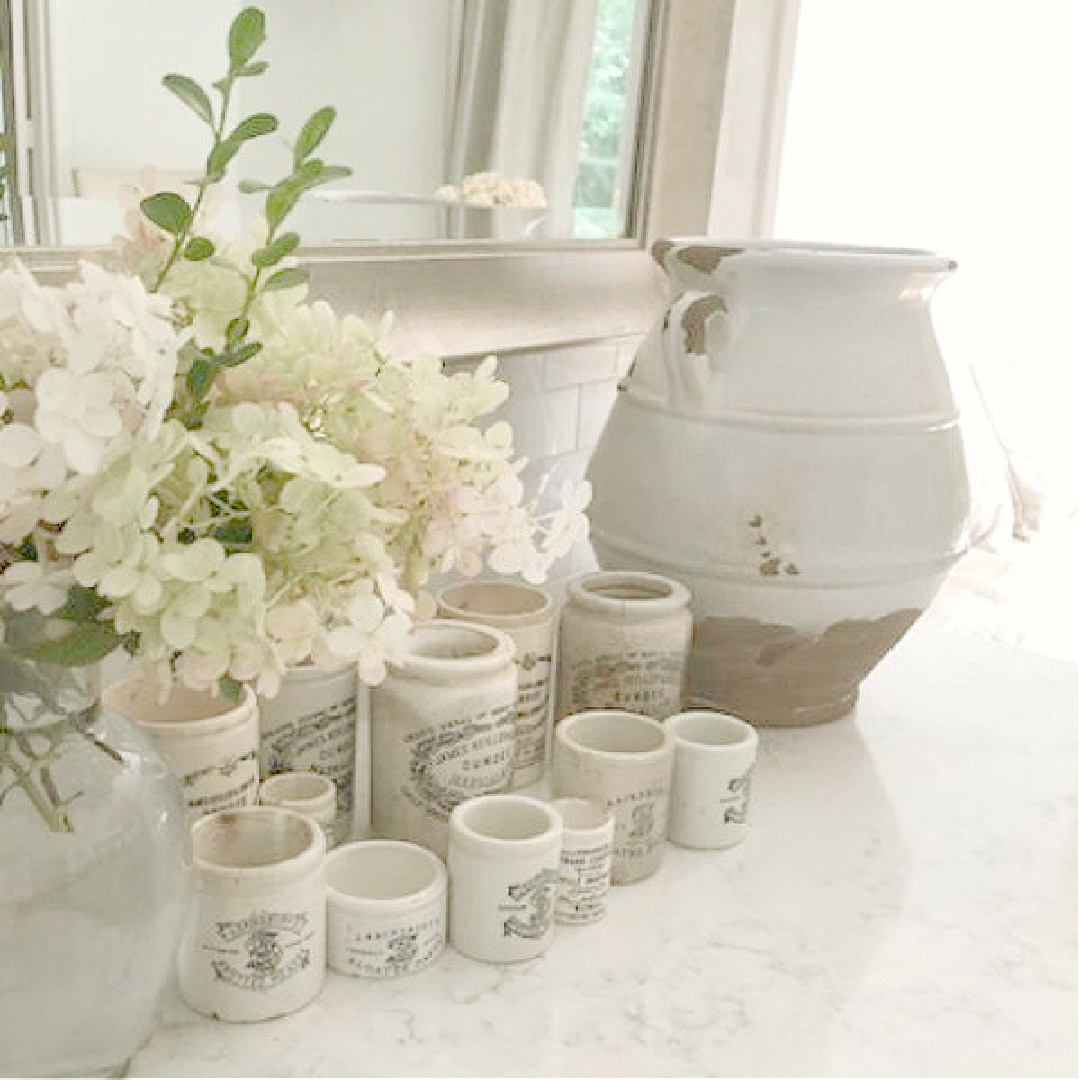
(585, 866)
(254, 946)
(208, 740)
(624, 643)
(710, 792)
(622, 760)
(442, 729)
(527, 614)
(318, 720)
(504, 870)
(308, 793)
(386, 908)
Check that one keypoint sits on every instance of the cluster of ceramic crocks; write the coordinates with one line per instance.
(459, 842)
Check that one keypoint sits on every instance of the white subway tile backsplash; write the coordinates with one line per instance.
(544, 423)
(579, 364)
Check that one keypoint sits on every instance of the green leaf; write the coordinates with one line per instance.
(334, 172)
(237, 330)
(313, 132)
(288, 278)
(168, 211)
(201, 376)
(83, 605)
(256, 67)
(247, 33)
(230, 687)
(217, 161)
(192, 95)
(235, 536)
(86, 644)
(250, 187)
(198, 248)
(246, 352)
(251, 127)
(276, 250)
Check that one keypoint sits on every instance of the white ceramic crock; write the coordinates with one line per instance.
(208, 740)
(710, 787)
(527, 615)
(504, 870)
(442, 729)
(386, 908)
(585, 865)
(623, 761)
(787, 443)
(308, 793)
(318, 720)
(254, 946)
(624, 640)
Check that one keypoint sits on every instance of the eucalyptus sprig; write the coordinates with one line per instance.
(173, 213)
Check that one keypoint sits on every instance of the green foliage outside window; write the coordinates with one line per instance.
(602, 129)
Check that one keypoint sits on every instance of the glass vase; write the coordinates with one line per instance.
(94, 860)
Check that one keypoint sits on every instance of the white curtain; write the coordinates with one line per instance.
(519, 74)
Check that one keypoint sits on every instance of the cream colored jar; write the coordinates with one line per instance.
(527, 614)
(209, 741)
(386, 908)
(254, 946)
(442, 725)
(624, 641)
(314, 723)
(504, 872)
(623, 761)
(308, 793)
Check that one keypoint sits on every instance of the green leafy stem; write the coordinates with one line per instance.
(171, 212)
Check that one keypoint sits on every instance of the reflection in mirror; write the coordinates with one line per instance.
(461, 119)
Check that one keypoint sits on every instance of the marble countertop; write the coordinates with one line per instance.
(905, 905)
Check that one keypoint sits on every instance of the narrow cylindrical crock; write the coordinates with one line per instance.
(624, 640)
(527, 615)
(710, 791)
(308, 793)
(442, 726)
(585, 865)
(504, 870)
(318, 720)
(622, 760)
(210, 741)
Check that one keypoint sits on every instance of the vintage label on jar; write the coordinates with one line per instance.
(322, 740)
(262, 951)
(529, 908)
(584, 877)
(385, 951)
(640, 823)
(461, 757)
(534, 693)
(234, 782)
(647, 681)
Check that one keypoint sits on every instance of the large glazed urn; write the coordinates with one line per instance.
(787, 444)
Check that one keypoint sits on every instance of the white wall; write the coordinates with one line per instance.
(110, 110)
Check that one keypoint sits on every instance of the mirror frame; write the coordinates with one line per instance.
(467, 299)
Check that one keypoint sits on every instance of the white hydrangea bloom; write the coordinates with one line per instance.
(84, 368)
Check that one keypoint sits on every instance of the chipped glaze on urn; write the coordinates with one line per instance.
(787, 443)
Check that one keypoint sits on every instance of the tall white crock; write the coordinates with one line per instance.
(319, 721)
(787, 444)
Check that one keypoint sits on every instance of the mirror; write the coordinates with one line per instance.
(461, 119)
